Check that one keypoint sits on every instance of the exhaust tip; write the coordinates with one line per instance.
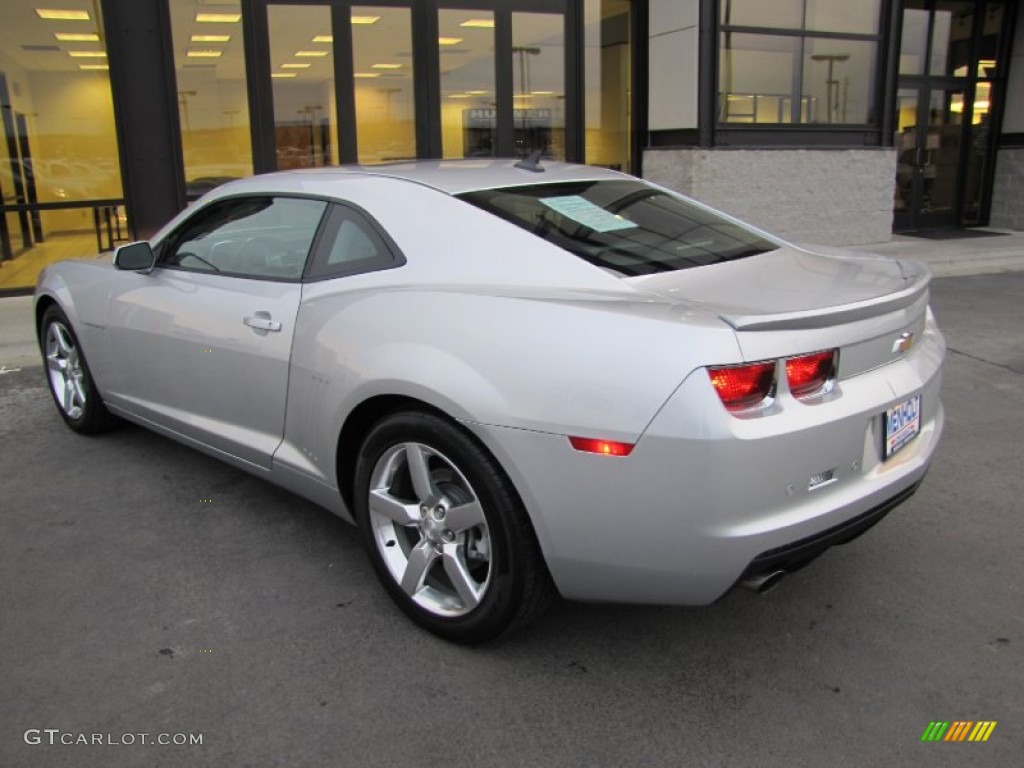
(763, 582)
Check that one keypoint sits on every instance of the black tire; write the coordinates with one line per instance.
(67, 373)
(514, 584)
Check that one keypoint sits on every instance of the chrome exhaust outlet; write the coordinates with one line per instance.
(763, 582)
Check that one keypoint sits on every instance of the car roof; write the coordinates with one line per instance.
(450, 176)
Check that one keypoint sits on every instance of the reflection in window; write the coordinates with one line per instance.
(58, 142)
(538, 83)
(383, 70)
(798, 77)
(302, 72)
(213, 105)
(607, 66)
(469, 115)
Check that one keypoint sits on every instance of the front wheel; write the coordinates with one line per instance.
(71, 384)
(446, 531)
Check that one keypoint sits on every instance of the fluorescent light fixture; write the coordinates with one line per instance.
(87, 54)
(457, 96)
(296, 66)
(366, 74)
(542, 93)
(93, 66)
(53, 14)
(477, 93)
(218, 18)
(77, 37)
(311, 54)
(205, 54)
(478, 23)
(365, 19)
(210, 38)
(282, 74)
(385, 66)
(323, 39)
(449, 40)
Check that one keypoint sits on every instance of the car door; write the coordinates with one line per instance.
(201, 345)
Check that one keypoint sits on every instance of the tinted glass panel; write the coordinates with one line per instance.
(538, 83)
(625, 226)
(350, 244)
(252, 237)
(786, 14)
(839, 79)
(469, 114)
(607, 56)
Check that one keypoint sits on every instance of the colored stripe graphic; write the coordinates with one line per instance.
(958, 730)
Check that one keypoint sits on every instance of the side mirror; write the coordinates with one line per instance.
(135, 257)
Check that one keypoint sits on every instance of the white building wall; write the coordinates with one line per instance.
(672, 77)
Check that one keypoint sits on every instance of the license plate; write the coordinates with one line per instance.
(902, 424)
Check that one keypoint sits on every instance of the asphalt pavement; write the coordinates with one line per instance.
(148, 589)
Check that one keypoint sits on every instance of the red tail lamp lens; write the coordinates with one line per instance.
(810, 373)
(603, 447)
(743, 386)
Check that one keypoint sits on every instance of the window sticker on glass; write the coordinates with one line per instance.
(584, 212)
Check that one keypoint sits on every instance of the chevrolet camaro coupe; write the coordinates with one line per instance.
(516, 379)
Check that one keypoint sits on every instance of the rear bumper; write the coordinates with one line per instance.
(793, 557)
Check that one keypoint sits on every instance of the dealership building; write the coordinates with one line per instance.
(828, 121)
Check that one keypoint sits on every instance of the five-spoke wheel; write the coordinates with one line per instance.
(71, 384)
(446, 530)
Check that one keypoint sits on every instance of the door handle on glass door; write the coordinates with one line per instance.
(261, 323)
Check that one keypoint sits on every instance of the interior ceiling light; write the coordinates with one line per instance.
(311, 54)
(478, 23)
(296, 66)
(477, 93)
(77, 37)
(449, 40)
(87, 54)
(458, 96)
(385, 66)
(365, 19)
(205, 54)
(218, 18)
(93, 66)
(53, 14)
(367, 74)
(323, 39)
(542, 93)
(210, 38)
(282, 74)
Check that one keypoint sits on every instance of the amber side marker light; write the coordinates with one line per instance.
(602, 447)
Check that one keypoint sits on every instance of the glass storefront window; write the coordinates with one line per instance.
(302, 72)
(58, 149)
(213, 105)
(538, 83)
(953, 27)
(914, 41)
(469, 110)
(800, 76)
(383, 69)
(607, 59)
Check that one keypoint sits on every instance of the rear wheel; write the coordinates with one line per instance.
(446, 531)
(71, 384)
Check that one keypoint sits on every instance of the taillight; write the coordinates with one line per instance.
(743, 386)
(603, 447)
(811, 374)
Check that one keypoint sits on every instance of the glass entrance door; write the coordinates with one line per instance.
(929, 139)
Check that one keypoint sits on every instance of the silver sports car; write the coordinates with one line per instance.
(516, 379)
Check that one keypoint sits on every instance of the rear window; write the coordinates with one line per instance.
(625, 226)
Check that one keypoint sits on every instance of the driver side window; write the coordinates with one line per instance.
(260, 237)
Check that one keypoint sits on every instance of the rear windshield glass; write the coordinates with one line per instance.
(625, 226)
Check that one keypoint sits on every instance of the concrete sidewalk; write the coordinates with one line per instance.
(946, 258)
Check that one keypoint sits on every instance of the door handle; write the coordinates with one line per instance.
(261, 323)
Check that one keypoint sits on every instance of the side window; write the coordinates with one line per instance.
(350, 244)
(266, 237)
